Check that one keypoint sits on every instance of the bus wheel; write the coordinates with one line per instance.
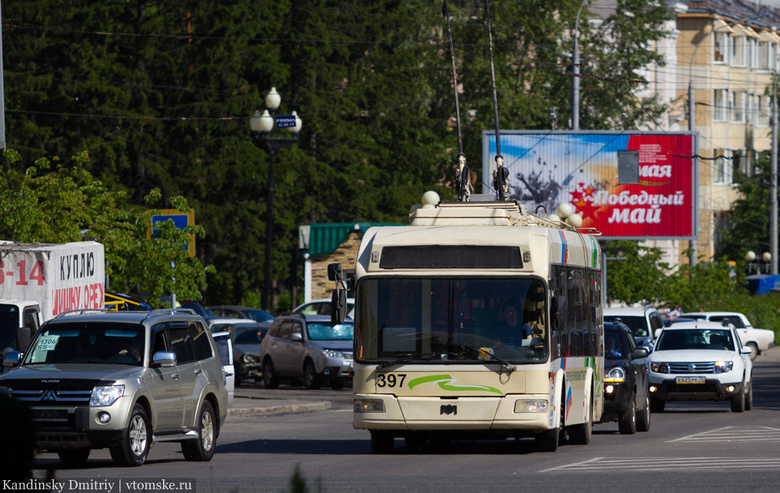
(382, 441)
(580, 434)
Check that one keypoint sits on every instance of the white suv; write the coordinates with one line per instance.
(701, 361)
(643, 322)
(759, 340)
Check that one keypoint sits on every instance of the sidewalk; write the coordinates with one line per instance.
(252, 402)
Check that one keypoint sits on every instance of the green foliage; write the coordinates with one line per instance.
(56, 202)
(159, 94)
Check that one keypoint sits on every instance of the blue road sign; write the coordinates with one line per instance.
(285, 121)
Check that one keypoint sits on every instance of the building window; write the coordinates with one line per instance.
(721, 48)
(764, 110)
(722, 166)
(750, 107)
(738, 49)
(720, 103)
(765, 51)
(737, 107)
(752, 53)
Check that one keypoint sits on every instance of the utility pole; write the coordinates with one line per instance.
(773, 183)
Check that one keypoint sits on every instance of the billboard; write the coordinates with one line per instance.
(627, 185)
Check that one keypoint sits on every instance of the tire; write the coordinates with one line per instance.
(749, 396)
(627, 420)
(202, 449)
(580, 434)
(382, 442)
(76, 457)
(310, 378)
(643, 416)
(270, 378)
(657, 405)
(548, 441)
(738, 401)
(754, 347)
(136, 440)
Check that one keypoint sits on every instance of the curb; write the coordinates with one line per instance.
(274, 410)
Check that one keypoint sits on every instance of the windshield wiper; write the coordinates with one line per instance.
(406, 358)
(486, 351)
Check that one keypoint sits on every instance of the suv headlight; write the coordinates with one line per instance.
(106, 395)
(659, 367)
(331, 353)
(724, 366)
(615, 375)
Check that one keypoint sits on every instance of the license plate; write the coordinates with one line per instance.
(50, 415)
(689, 380)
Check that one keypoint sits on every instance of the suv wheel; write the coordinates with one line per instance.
(749, 396)
(134, 447)
(202, 449)
(76, 457)
(738, 401)
(310, 378)
(627, 420)
(643, 417)
(270, 378)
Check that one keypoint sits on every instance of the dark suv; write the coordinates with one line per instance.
(626, 380)
(121, 380)
(311, 348)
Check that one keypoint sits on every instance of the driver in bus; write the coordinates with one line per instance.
(509, 330)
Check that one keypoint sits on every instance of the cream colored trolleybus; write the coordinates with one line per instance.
(478, 320)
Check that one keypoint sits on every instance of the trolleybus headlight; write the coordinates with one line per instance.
(539, 406)
(369, 406)
(615, 375)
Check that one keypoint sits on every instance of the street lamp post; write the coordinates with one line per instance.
(262, 127)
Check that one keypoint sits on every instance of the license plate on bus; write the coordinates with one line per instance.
(689, 379)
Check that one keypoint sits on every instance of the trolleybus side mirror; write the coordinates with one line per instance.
(338, 308)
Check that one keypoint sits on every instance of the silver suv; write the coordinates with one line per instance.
(311, 348)
(121, 380)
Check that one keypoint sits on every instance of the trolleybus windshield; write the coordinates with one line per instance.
(451, 319)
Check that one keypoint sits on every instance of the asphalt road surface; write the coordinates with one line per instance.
(691, 447)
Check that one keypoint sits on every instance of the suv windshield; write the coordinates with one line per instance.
(323, 331)
(638, 325)
(695, 339)
(109, 343)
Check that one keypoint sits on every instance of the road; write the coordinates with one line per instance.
(690, 447)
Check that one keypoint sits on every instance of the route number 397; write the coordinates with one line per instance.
(390, 379)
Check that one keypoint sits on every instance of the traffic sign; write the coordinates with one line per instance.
(181, 219)
(285, 121)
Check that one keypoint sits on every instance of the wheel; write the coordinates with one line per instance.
(749, 396)
(134, 447)
(580, 434)
(202, 449)
(627, 420)
(337, 384)
(643, 416)
(77, 457)
(738, 401)
(270, 378)
(382, 442)
(754, 347)
(548, 441)
(657, 405)
(310, 378)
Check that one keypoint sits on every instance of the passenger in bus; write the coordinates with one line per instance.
(509, 330)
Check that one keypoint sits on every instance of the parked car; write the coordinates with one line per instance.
(307, 347)
(122, 380)
(228, 324)
(643, 322)
(322, 307)
(246, 345)
(758, 339)
(626, 382)
(698, 361)
(238, 311)
(225, 350)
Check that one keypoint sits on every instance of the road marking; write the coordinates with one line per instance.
(602, 464)
(734, 434)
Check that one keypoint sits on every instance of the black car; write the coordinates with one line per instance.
(626, 384)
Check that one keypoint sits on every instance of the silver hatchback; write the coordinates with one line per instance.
(310, 348)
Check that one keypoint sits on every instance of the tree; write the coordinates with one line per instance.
(56, 202)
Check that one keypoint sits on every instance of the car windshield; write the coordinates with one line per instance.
(679, 339)
(637, 324)
(324, 331)
(108, 343)
(734, 320)
(613, 345)
(259, 315)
